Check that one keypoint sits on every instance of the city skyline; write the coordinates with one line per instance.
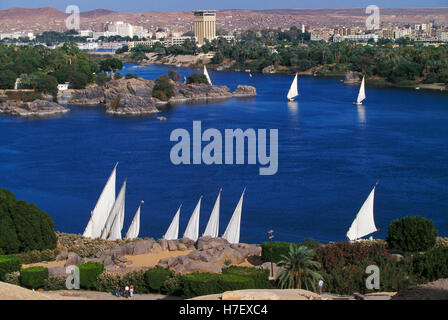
(177, 5)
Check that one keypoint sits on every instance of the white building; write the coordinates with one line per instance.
(362, 37)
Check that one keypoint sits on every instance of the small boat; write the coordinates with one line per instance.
(361, 94)
(293, 91)
(364, 223)
(207, 76)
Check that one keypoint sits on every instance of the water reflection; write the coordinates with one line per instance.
(361, 115)
(293, 107)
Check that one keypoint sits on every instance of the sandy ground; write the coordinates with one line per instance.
(50, 264)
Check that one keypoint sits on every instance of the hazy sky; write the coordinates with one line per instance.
(186, 5)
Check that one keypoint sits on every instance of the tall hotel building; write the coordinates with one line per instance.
(204, 25)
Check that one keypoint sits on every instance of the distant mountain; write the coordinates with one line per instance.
(96, 13)
(49, 18)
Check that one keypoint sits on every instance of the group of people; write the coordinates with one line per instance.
(128, 291)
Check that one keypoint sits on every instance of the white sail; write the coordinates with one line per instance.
(212, 228)
(192, 231)
(134, 228)
(362, 92)
(293, 91)
(206, 75)
(112, 228)
(102, 208)
(232, 233)
(173, 230)
(364, 223)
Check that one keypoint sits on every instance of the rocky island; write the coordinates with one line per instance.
(37, 108)
(135, 96)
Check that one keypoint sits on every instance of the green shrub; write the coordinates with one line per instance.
(310, 243)
(23, 227)
(279, 248)
(33, 277)
(411, 234)
(13, 278)
(259, 276)
(197, 79)
(8, 264)
(131, 76)
(36, 256)
(89, 273)
(432, 265)
(55, 283)
(156, 277)
(107, 282)
(172, 286)
(199, 284)
(163, 88)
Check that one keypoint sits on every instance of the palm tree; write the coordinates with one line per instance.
(299, 270)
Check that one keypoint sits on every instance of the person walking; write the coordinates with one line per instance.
(131, 290)
(117, 290)
(320, 284)
(126, 292)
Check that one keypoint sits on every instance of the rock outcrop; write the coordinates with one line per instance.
(37, 108)
(212, 257)
(245, 91)
(134, 96)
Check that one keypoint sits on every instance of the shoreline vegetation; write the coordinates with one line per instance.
(401, 63)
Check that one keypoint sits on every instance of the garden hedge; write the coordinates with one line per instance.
(279, 248)
(432, 265)
(88, 273)
(411, 234)
(8, 264)
(34, 277)
(259, 276)
(200, 284)
(156, 277)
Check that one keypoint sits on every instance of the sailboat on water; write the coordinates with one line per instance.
(232, 233)
(173, 230)
(364, 223)
(192, 231)
(293, 90)
(361, 94)
(212, 228)
(102, 208)
(207, 75)
(134, 228)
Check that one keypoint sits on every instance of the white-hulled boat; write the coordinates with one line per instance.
(293, 90)
(364, 223)
(362, 93)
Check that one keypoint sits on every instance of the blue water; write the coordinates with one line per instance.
(331, 153)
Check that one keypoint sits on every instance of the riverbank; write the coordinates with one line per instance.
(328, 70)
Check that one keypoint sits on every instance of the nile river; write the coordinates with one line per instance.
(331, 153)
